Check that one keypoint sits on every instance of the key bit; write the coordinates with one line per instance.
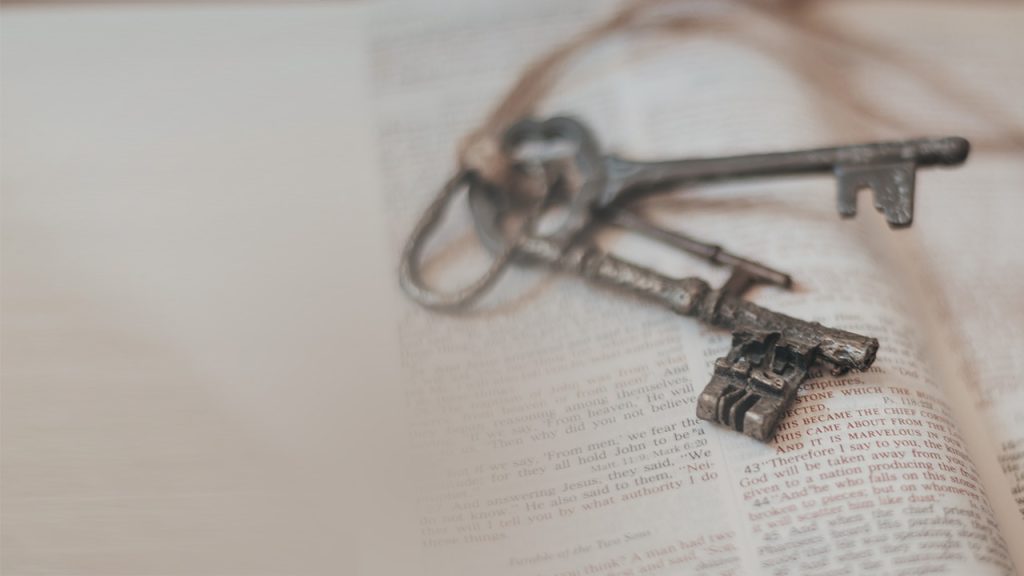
(893, 187)
(754, 385)
(888, 169)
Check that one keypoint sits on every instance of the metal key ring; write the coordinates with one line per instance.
(483, 196)
(409, 271)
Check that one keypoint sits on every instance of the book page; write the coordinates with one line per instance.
(553, 428)
(962, 255)
(973, 313)
(985, 284)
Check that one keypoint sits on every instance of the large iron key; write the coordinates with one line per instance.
(752, 386)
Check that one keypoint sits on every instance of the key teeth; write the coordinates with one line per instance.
(753, 386)
(739, 408)
(762, 418)
(846, 199)
(892, 185)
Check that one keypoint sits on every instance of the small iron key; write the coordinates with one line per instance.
(756, 382)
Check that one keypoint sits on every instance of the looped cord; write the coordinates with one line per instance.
(481, 151)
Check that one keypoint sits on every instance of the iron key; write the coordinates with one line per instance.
(603, 182)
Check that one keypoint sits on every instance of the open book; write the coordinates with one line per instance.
(554, 426)
(208, 367)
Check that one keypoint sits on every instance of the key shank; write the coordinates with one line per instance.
(692, 296)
